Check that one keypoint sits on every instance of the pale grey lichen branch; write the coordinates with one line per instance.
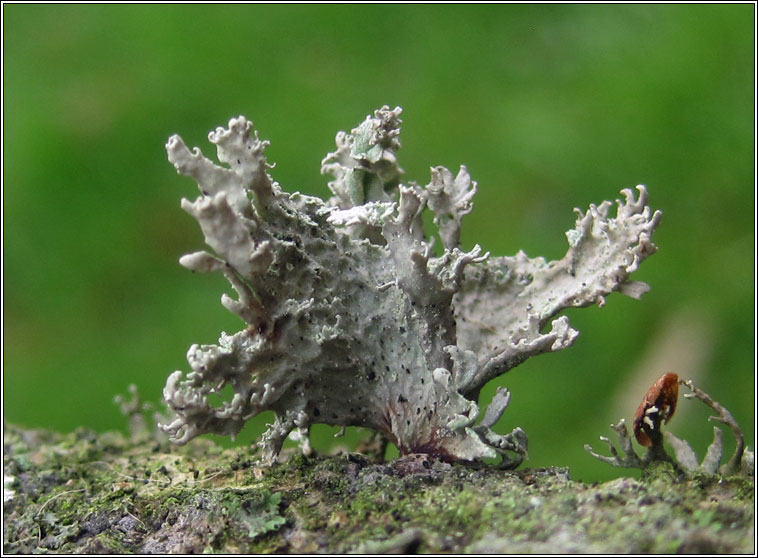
(742, 459)
(450, 199)
(352, 319)
(629, 458)
(505, 303)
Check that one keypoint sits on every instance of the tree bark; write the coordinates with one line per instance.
(105, 493)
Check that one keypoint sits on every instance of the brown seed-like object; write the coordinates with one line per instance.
(657, 406)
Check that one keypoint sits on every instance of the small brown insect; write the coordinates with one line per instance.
(657, 406)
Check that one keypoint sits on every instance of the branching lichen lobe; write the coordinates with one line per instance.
(352, 320)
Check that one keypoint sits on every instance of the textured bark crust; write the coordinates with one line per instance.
(89, 493)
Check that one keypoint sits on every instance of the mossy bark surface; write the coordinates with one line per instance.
(107, 493)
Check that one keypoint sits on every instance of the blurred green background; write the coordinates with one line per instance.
(550, 107)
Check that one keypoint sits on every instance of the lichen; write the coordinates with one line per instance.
(657, 408)
(352, 319)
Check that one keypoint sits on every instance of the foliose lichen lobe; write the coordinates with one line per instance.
(351, 319)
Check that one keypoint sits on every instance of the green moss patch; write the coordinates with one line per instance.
(88, 493)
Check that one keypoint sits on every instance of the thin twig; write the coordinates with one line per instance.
(130, 514)
(119, 473)
(217, 473)
(39, 511)
(129, 477)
